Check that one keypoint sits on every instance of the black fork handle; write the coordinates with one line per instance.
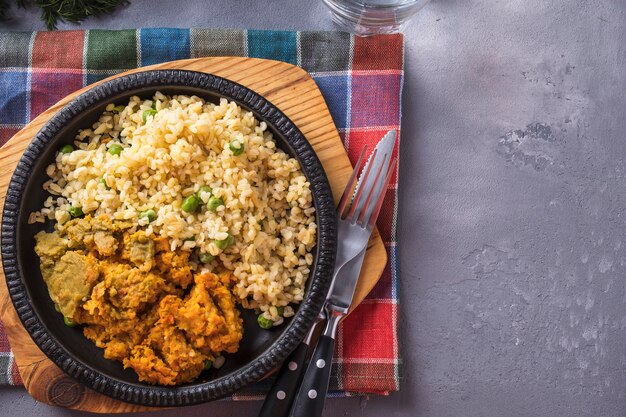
(280, 397)
(312, 393)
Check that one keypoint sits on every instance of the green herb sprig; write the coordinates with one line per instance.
(72, 11)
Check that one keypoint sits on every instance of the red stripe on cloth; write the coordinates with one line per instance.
(382, 289)
(375, 100)
(378, 52)
(4, 341)
(15, 374)
(370, 332)
(385, 218)
(370, 137)
(48, 87)
(15, 378)
(61, 49)
(369, 378)
(7, 133)
(368, 360)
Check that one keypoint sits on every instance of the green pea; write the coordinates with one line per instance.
(191, 204)
(69, 322)
(148, 113)
(214, 203)
(207, 364)
(263, 322)
(119, 109)
(76, 212)
(104, 182)
(153, 105)
(66, 149)
(148, 214)
(115, 149)
(206, 190)
(223, 244)
(281, 310)
(205, 258)
(236, 147)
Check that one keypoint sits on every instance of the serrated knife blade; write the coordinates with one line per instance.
(383, 148)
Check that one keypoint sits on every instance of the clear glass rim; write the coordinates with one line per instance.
(367, 20)
(397, 7)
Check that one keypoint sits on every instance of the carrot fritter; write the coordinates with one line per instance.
(189, 332)
(128, 290)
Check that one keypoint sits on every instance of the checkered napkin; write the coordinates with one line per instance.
(360, 78)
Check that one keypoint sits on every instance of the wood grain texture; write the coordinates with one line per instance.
(290, 89)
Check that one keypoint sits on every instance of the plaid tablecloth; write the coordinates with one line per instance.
(360, 78)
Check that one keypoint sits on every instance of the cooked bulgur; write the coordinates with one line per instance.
(208, 178)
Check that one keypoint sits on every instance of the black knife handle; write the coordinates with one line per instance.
(312, 394)
(280, 397)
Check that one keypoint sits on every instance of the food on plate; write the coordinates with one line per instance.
(168, 214)
(139, 300)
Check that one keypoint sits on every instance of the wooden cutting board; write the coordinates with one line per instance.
(288, 87)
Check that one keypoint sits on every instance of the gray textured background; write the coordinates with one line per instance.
(512, 243)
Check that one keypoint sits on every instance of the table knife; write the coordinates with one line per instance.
(309, 401)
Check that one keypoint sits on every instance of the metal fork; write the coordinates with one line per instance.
(353, 238)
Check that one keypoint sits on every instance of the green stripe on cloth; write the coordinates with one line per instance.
(14, 47)
(277, 45)
(111, 50)
(217, 42)
(6, 365)
(325, 51)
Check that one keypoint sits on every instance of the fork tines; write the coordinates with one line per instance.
(348, 191)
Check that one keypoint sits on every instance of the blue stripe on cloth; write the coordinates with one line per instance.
(162, 45)
(13, 103)
(272, 44)
(334, 88)
(92, 78)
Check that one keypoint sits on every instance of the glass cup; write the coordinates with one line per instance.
(371, 17)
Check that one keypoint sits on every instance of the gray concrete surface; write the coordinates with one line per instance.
(512, 235)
